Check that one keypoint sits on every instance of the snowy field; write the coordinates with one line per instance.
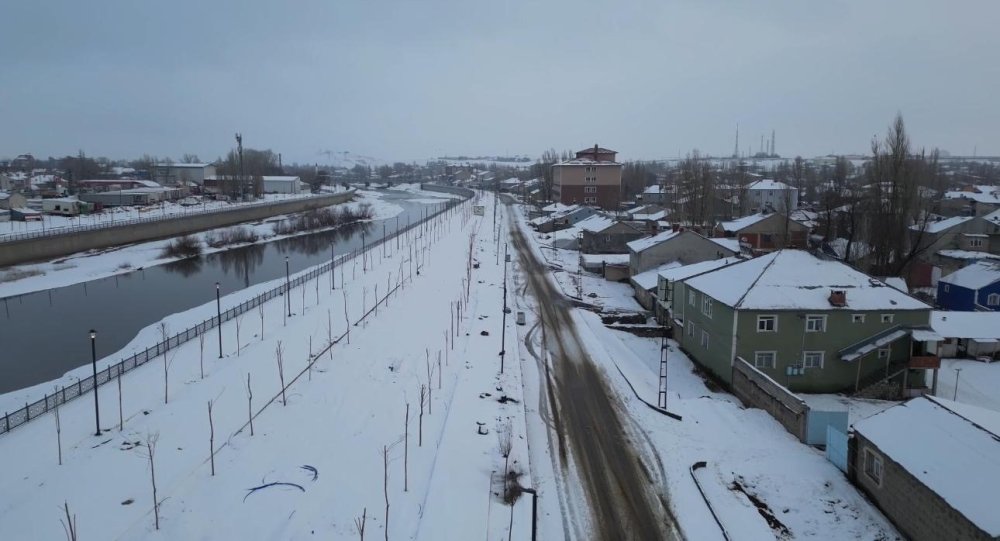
(112, 215)
(580, 284)
(805, 495)
(344, 445)
(90, 265)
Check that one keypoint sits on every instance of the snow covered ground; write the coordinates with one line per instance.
(749, 456)
(441, 478)
(113, 215)
(595, 290)
(977, 382)
(90, 265)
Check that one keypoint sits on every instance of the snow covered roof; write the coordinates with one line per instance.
(648, 280)
(955, 452)
(588, 161)
(768, 184)
(658, 215)
(896, 282)
(993, 217)
(557, 207)
(731, 244)
(595, 223)
(189, 165)
(942, 225)
(742, 223)
(975, 276)
(610, 259)
(966, 254)
(975, 325)
(655, 189)
(795, 279)
(279, 178)
(639, 245)
(983, 194)
(694, 269)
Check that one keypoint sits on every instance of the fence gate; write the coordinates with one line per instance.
(836, 447)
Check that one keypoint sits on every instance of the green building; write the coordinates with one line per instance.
(811, 324)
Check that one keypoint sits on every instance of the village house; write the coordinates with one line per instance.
(811, 324)
(968, 334)
(931, 466)
(765, 232)
(767, 194)
(612, 238)
(666, 279)
(971, 201)
(592, 178)
(949, 244)
(974, 287)
(677, 245)
(562, 219)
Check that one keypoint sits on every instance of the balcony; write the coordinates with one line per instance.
(925, 361)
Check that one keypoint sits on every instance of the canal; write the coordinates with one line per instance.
(44, 334)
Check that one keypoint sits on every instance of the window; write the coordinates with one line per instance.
(993, 299)
(812, 359)
(589, 200)
(883, 353)
(873, 466)
(590, 189)
(767, 323)
(704, 339)
(690, 328)
(706, 305)
(764, 359)
(816, 323)
(857, 318)
(947, 288)
(887, 318)
(975, 243)
(691, 299)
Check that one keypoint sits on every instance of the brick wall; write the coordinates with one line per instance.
(917, 511)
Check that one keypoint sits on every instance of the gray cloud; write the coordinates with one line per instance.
(410, 80)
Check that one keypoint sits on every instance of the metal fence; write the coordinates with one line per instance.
(68, 230)
(11, 420)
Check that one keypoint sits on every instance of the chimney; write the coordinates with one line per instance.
(838, 298)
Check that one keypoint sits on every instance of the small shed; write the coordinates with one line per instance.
(968, 334)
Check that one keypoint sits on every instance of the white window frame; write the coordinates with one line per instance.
(704, 339)
(993, 299)
(857, 318)
(762, 323)
(690, 327)
(975, 243)
(821, 318)
(706, 305)
(888, 318)
(806, 355)
(589, 200)
(770, 364)
(873, 466)
(884, 352)
(692, 298)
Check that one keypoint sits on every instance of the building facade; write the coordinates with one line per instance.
(592, 178)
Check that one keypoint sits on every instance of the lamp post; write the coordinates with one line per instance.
(503, 325)
(288, 288)
(218, 312)
(93, 364)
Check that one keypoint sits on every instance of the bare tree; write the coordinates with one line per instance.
(430, 390)
(201, 352)
(211, 438)
(420, 423)
(260, 311)
(239, 320)
(505, 443)
(68, 523)
(359, 524)
(281, 371)
(406, 449)
(250, 403)
(346, 320)
(58, 433)
(121, 417)
(385, 489)
(151, 440)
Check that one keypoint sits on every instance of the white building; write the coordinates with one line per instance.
(178, 174)
(282, 184)
(766, 193)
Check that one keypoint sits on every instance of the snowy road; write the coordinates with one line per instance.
(591, 432)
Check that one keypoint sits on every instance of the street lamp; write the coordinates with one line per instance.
(218, 312)
(288, 288)
(93, 364)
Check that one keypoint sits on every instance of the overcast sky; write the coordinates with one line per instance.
(416, 79)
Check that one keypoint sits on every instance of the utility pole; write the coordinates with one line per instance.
(958, 372)
(239, 157)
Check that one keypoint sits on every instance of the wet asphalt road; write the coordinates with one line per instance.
(621, 493)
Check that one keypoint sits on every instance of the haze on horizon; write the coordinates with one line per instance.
(414, 80)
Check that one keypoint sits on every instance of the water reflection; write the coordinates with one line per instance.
(185, 267)
(242, 262)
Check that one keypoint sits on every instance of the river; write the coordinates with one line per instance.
(44, 334)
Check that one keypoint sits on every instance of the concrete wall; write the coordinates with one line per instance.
(917, 511)
(41, 248)
(756, 390)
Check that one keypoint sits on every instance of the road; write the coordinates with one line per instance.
(591, 429)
